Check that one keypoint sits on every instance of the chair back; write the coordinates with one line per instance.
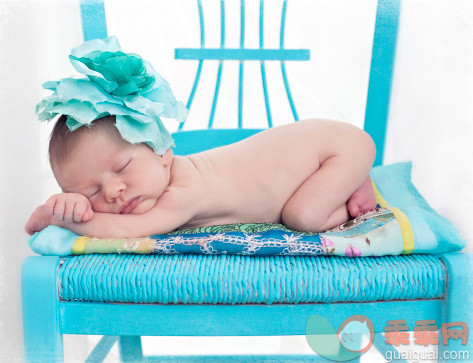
(379, 88)
(194, 141)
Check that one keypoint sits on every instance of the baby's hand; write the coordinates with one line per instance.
(38, 221)
(69, 207)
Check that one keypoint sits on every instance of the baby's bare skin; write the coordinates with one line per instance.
(301, 174)
(254, 179)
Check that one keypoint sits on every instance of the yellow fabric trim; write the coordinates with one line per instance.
(79, 246)
(404, 223)
(379, 199)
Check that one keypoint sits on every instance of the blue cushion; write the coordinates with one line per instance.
(432, 232)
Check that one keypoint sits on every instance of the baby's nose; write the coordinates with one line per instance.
(113, 191)
(110, 197)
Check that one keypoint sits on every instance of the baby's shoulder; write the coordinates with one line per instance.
(185, 178)
(185, 170)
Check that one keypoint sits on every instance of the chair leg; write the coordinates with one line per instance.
(43, 340)
(457, 308)
(130, 348)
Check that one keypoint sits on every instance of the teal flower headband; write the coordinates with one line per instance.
(119, 84)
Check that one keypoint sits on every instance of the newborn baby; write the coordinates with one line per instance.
(310, 175)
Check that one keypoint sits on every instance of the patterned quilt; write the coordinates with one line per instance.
(373, 234)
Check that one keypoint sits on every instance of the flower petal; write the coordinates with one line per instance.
(120, 67)
(158, 80)
(46, 102)
(154, 134)
(73, 124)
(143, 105)
(81, 111)
(164, 95)
(182, 112)
(109, 44)
(46, 116)
(52, 85)
(94, 76)
(83, 90)
(126, 89)
(113, 109)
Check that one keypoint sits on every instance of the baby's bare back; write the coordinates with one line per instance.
(251, 181)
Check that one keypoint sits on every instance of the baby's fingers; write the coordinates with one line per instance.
(79, 210)
(69, 211)
(59, 209)
(50, 204)
(88, 215)
(83, 212)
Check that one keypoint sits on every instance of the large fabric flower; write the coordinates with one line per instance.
(119, 84)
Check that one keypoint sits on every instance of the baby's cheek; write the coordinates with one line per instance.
(145, 206)
(98, 207)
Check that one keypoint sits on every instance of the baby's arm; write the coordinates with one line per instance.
(170, 212)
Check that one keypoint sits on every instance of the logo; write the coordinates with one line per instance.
(356, 334)
(354, 337)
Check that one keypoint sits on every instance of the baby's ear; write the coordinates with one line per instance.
(167, 157)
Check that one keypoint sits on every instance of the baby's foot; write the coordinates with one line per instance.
(362, 200)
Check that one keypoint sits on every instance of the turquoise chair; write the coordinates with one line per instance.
(231, 295)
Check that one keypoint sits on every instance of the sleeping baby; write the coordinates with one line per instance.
(112, 157)
(310, 175)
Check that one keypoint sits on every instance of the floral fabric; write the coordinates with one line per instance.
(374, 234)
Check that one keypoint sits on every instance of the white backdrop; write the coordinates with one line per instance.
(430, 120)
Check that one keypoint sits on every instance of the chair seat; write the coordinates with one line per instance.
(234, 279)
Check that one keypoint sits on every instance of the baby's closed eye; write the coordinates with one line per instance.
(123, 167)
(96, 192)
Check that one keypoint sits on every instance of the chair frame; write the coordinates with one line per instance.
(46, 317)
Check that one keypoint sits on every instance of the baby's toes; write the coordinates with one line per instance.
(354, 209)
(371, 206)
(366, 208)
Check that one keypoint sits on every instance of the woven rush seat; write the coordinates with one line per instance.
(234, 279)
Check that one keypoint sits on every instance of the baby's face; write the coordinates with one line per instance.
(115, 176)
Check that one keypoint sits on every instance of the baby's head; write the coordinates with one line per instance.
(115, 175)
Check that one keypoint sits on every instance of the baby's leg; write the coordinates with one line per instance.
(320, 203)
